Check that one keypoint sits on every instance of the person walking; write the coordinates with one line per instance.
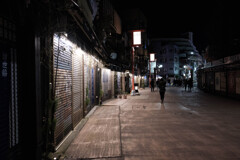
(185, 83)
(162, 89)
(152, 85)
(157, 82)
(190, 84)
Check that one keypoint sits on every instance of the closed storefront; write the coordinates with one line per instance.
(238, 82)
(222, 78)
(106, 83)
(9, 93)
(217, 81)
(63, 86)
(127, 79)
(77, 85)
(9, 114)
(92, 89)
(231, 83)
(210, 86)
(88, 83)
(223, 82)
(119, 86)
(123, 82)
(92, 75)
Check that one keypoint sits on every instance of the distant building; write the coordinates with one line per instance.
(168, 61)
(176, 57)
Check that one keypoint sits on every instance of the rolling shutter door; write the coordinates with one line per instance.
(63, 87)
(77, 80)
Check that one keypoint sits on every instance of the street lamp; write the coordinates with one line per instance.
(136, 42)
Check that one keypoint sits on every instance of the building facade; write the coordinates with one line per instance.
(221, 77)
(57, 62)
(176, 58)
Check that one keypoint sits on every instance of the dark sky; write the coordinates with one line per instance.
(168, 18)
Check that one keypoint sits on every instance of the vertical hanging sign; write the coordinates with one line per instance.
(136, 38)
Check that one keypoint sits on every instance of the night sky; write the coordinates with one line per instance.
(171, 18)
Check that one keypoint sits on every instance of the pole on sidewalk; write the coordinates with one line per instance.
(133, 89)
(150, 78)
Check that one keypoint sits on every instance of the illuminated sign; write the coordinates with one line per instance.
(137, 38)
(152, 57)
(153, 65)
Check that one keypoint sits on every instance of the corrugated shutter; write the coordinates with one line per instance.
(63, 84)
(13, 108)
(77, 79)
(9, 116)
(86, 82)
(110, 84)
(105, 82)
(119, 82)
(9, 108)
(223, 81)
(231, 83)
(4, 101)
(92, 86)
(238, 82)
(217, 81)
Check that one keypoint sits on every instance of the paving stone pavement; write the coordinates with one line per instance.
(188, 126)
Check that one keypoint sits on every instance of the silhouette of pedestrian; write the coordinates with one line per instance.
(152, 85)
(190, 84)
(162, 89)
(157, 82)
(185, 82)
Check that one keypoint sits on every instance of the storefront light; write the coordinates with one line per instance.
(79, 51)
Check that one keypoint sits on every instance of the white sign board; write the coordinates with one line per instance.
(137, 38)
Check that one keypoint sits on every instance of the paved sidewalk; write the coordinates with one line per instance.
(189, 125)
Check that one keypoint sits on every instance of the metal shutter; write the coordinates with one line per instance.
(63, 86)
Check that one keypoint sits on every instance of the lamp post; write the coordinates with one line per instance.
(136, 42)
(133, 89)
